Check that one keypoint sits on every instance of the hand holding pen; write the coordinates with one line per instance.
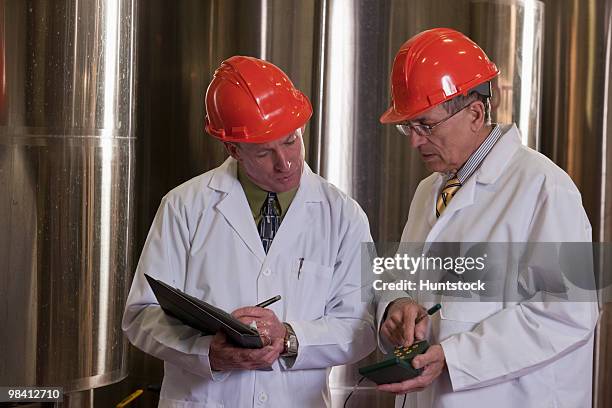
(268, 302)
(406, 321)
(226, 356)
(430, 312)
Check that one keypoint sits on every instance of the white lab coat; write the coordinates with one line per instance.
(204, 241)
(507, 354)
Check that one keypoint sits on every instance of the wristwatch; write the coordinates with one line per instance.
(291, 342)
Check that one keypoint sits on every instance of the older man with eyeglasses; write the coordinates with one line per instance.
(485, 187)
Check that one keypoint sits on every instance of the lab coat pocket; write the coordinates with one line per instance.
(311, 283)
(461, 316)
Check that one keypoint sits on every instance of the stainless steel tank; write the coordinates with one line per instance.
(180, 44)
(576, 118)
(67, 136)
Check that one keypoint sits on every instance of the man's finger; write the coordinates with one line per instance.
(430, 356)
(270, 355)
(389, 330)
(249, 311)
(432, 371)
(252, 311)
(407, 331)
(246, 319)
(395, 318)
(276, 347)
(404, 386)
(410, 311)
(388, 327)
(420, 330)
(255, 355)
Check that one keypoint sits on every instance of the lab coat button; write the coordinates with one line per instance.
(267, 272)
(263, 397)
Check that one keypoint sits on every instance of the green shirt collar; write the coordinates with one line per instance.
(256, 195)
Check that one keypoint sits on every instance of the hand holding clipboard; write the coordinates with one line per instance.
(205, 317)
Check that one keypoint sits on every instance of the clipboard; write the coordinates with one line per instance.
(203, 316)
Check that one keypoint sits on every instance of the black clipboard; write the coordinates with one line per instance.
(203, 316)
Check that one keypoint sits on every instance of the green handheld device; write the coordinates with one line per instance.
(397, 368)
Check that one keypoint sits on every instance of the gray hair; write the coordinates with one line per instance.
(458, 102)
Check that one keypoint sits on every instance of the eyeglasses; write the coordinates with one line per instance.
(406, 129)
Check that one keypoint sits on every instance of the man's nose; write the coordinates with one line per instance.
(416, 140)
(282, 161)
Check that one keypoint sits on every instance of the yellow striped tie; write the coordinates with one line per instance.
(446, 195)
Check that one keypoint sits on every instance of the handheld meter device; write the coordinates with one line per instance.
(397, 368)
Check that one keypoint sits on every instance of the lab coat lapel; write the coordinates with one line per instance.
(296, 219)
(494, 165)
(235, 207)
(489, 171)
(462, 199)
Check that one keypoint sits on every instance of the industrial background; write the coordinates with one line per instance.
(101, 113)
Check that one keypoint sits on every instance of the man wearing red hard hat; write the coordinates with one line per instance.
(260, 225)
(486, 187)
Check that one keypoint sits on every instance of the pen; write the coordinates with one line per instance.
(129, 398)
(430, 311)
(268, 302)
(300, 268)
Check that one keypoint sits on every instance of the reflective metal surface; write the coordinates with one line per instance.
(2, 71)
(66, 190)
(576, 118)
(81, 399)
(180, 44)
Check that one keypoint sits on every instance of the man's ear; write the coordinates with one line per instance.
(477, 115)
(232, 150)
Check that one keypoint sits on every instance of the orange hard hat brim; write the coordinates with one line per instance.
(393, 117)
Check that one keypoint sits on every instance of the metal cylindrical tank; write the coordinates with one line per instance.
(576, 118)
(180, 44)
(66, 190)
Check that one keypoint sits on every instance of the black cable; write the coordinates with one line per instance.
(352, 391)
(357, 385)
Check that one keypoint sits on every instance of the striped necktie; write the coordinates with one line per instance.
(446, 195)
(270, 221)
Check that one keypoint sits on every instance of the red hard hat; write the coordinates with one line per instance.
(433, 67)
(253, 101)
